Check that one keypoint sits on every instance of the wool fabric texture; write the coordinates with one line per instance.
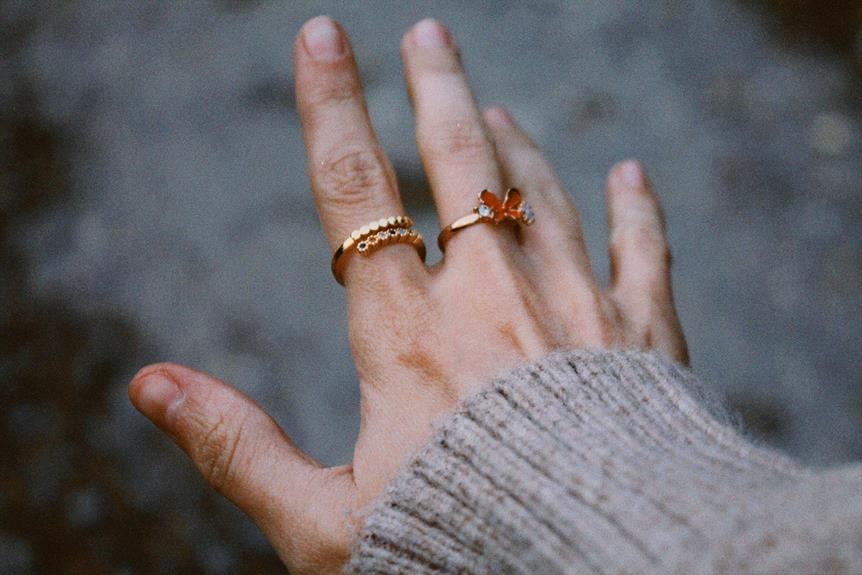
(598, 461)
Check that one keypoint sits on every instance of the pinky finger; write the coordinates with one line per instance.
(640, 261)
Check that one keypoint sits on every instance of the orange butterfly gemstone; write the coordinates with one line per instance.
(511, 207)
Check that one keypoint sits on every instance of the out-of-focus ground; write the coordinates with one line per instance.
(154, 206)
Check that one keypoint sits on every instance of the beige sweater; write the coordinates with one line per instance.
(607, 462)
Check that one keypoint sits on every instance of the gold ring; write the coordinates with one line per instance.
(491, 210)
(370, 238)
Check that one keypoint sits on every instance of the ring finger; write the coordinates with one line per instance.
(557, 247)
(557, 241)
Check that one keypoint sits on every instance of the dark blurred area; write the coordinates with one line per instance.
(153, 206)
(835, 24)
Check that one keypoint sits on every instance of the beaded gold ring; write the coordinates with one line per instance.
(373, 236)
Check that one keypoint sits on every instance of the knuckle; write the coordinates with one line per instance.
(346, 177)
(457, 141)
(645, 239)
(334, 91)
(596, 319)
(402, 314)
(500, 277)
(218, 452)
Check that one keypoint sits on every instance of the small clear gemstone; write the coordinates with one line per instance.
(383, 235)
(527, 213)
(485, 211)
(402, 232)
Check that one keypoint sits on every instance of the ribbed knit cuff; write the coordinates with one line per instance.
(585, 461)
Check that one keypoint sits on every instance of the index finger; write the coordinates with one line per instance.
(352, 180)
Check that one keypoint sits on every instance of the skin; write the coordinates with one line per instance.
(490, 304)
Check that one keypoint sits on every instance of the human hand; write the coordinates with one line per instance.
(422, 337)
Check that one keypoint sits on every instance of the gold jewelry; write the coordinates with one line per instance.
(370, 238)
(491, 210)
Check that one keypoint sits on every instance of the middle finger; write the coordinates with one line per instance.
(456, 150)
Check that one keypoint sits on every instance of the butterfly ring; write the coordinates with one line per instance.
(491, 210)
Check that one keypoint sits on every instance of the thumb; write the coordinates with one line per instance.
(246, 456)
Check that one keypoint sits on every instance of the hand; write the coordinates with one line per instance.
(423, 338)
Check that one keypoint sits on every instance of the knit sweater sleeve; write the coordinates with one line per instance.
(607, 462)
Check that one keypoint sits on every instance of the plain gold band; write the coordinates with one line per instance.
(459, 224)
(363, 234)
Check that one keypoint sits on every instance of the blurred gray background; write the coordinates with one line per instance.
(154, 206)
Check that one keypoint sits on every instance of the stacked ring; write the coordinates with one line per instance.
(377, 234)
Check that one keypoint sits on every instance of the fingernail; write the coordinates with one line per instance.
(431, 34)
(632, 174)
(157, 393)
(499, 116)
(323, 40)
